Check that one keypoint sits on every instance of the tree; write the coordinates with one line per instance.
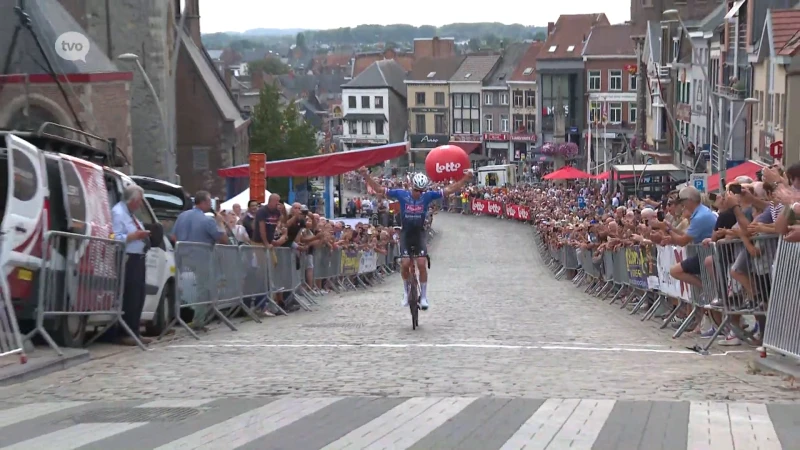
(300, 41)
(474, 44)
(492, 41)
(280, 134)
(270, 66)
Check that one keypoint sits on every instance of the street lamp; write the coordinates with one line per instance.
(724, 157)
(131, 57)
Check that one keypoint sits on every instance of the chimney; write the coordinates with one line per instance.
(192, 9)
(550, 27)
(228, 76)
(435, 45)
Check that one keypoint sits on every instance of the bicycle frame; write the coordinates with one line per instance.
(416, 287)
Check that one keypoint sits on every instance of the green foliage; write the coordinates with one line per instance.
(300, 40)
(245, 44)
(280, 134)
(270, 66)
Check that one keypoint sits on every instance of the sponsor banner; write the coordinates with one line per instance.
(368, 262)
(350, 262)
(518, 212)
(668, 256)
(636, 272)
(490, 207)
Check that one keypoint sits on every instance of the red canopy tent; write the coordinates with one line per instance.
(567, 173)
(327, 165)
(607, 174)
(747, 169)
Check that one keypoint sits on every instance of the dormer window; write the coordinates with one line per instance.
(432, 74)
(552, 48)
(467, 75)
(571, 48)
(528, 71)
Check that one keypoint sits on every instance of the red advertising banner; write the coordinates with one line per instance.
(493, 208)
(518, 212)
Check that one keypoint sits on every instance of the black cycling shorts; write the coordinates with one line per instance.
(412, 240)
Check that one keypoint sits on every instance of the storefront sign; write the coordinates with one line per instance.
(364, 141)
(428, 140)
(429, 110)
(465, 138)
(523, 137)
(499, 137)
(683, 112)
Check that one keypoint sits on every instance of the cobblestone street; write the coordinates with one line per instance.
(499, 324)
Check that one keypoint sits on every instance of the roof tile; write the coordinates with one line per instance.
(475, 68)
(526, 68)
(610, 40)
(509, 60)
(441, 68)
(571, 31)
(785, 29)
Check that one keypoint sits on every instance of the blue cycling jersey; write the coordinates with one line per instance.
(413, 212)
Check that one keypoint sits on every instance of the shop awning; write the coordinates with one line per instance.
(327, 165)
(746, 169)
(605, 175)
(468, 147)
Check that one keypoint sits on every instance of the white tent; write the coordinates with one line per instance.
(243, 198)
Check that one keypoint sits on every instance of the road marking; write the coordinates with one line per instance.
(178, 403)
(734, 426)
(539, 430)
(468, 346)
(252, 425)
(403, 425)
(75, 436)
(27, 412)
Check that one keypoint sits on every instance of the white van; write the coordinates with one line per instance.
(497, 175)
(60, 184)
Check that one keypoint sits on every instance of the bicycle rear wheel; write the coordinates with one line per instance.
(413, 304)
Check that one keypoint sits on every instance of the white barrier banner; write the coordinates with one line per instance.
(368, 263)
(667, 257)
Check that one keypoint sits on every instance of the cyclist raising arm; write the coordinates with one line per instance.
(414, 206)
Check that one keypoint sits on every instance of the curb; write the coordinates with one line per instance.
(779, 364)
(39, 367)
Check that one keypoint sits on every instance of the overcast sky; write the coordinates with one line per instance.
(241, 15)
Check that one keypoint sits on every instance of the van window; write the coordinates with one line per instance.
(74, 203)
(3, 186)
(25, 181)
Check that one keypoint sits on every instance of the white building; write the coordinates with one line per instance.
(374, 106)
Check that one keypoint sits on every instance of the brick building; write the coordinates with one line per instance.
(434, 47)
(96, 93)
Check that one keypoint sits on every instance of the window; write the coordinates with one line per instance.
(365, 102)
(379, 102)
(519, 123)
(379, 127)
(351, 102)
(420, 97)
(518, 99)
(552, 48)
(457, 127)
(439, 124)
(571, 48)
(594, 112)
(438, 98)
(614, 80)
(594, 80)
(487, 119)
(530, 123)
(633, 79)
(353, 125)
(487, 98)
(476, 126)
(420, 119)
(476, 101)
(504, 98)
(365, 126)
(530, 99)
(615, 112)
(457, 101)
(528, 71)
(632, 113)
(778, 103)
(504, 123)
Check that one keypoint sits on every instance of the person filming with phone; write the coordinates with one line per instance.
(128, 229)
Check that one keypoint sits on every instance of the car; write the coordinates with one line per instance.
(66, 184)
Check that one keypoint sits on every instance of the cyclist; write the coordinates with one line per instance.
(414, 207)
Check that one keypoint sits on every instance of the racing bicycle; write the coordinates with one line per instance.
(414, 294)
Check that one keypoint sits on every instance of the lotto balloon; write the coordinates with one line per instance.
(446, 162)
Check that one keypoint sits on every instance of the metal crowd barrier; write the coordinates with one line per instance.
(10, 338)
(81, 276)
(782, 333)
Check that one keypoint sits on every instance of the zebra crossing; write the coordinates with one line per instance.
(337, 423)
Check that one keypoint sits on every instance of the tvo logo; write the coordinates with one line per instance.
(72, 46)
(450, 167)
(494, 208)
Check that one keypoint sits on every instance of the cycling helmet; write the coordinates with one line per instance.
(420, 181)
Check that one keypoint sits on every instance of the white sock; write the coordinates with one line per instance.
(407, 286)
(424, 288)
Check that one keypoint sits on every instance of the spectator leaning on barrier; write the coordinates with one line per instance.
(787, 189)
(129, 230)
(266, 220)
(701, 226)
(194, 226)
(249, 218)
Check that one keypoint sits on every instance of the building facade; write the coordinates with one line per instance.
(429, 105)
(523, 108)
(496, 106)
(374, 107)
(561, 79)
(465, 103)
(657, 62)
(612, 83)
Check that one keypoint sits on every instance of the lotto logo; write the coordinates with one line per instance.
(447, 167)
(523, 214)
(494, 208)
(510, 211)
(477, 206)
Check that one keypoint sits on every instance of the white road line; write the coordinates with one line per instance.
(466, 346)
(27, 412)
(75, 436)
(178, 403)
(537, 432)
(709, 426)
(751, 427)
(583, 426)
(247, 427)
(403, 425)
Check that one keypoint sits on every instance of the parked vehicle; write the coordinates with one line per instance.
(57, 183)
